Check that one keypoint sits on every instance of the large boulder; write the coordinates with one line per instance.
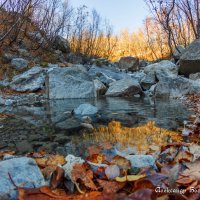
(100, 87)
(31, 80)
(23, 171)
(85, 110)
(19, 63)
(190, 59)
(178, 52)
(129, 63)
(172, 87)
(148, 80)
(71, 82)
(162, 69)
(61, 44)
(110, 72)
(195, 76)
(124, 87)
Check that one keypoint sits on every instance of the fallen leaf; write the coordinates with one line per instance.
(80, 172)
(110, 186)
(185, 181)
(143, 194)
(129, 178)
(57, 177)
(122, 162)
(96, 158)
(50, 160)
(48, 171)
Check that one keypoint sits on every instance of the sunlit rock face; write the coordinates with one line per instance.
(190, 59)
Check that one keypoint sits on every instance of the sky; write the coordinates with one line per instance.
(121, 13)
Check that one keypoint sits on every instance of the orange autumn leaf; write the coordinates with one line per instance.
(79, 171)
(96, 158)
(50, 160)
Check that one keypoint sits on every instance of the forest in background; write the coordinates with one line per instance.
(170, 23)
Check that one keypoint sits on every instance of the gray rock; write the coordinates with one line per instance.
(140, 161)
(148, 80)
(75, 59)
(100, 87)
(61, 44)
(31, 80)
(105, 79)
(86, 109)
(24, 147)
(195, 76)
(52, 65)
(178, 52)
(124, 87)
(152, 90)
(129, 63)
(190, 59)
(23, 52)
(71, 82)
(23, 171)
(86, 119)
(7, 57)
(9, 102)
(139, 75)
(87, 126)
(19, 63)
(162, 69)
(172, 87)
(143, 64)
(37, 36)
(110, 72)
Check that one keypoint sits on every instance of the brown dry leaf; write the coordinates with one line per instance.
(50, 160)
(144, 194)
(47, 171)
(79, 171)
(43, 193)
(193, 171)
(41, 162)
(57, 177)
(142, 184)
(55, 160)
(184, 156)
(96, 158)
(110, 186)
(122, 162)
(175, 144)
(185, 181)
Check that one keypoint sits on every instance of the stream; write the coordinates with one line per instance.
(50, 124)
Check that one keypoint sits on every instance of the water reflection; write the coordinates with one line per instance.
(51, 125)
